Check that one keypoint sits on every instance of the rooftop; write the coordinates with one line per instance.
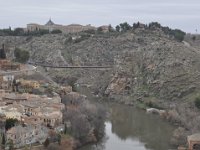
(50, 23)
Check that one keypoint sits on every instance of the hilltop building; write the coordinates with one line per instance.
(50, 25)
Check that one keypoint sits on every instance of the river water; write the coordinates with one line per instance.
(128, 128)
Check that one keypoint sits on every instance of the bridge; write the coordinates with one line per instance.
(72, 67)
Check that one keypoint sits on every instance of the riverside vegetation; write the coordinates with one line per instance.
(153, 66)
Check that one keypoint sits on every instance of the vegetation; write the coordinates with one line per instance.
(2, 53)
(22, 32)
(194, 38)
(46, 143)
(90, 31)
(10, 123)
(124, 27)
(197, 102)
(99, 30)
(176, 33)
(10, 144)
(56, 31)
(3, 140)
(110, 29)
(21, 56)
(85, 118)
(117, 28)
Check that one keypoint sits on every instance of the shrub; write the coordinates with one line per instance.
(21, 56)
(197, 102)
(10, 123)
(56, 31)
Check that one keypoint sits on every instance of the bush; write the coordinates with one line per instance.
(56, 31)
(178, 34)
(10, 123)
(197, 102)
(21, 56)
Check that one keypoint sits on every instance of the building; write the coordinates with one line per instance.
(14, 111)
(24, 135)
(29, 84)
(50, 25)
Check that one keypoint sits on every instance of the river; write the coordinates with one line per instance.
(129, 128)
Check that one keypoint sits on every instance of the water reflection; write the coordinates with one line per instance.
(132, 129)
(134, 124)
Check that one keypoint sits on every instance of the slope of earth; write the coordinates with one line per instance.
(149, 68)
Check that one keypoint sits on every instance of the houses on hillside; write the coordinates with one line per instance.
(36, 115)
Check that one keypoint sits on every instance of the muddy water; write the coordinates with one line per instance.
(129, 128)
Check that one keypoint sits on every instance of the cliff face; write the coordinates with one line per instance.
(145, 62)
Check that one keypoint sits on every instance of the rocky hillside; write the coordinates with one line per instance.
(149, 67)
(145, 62)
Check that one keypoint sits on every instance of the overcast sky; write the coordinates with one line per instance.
(183, 14)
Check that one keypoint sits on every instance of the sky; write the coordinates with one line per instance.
(181, 14)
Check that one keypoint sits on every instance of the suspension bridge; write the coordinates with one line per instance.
(65, 66)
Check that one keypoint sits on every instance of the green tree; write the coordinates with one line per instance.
(56, 31)
(99, 30)
(10, 144)
(125, 26)
(2, 52)
(110, 28)
(197, 102)
(10, 123)
(59, 139)
(18, 32)
(46, 143)
(21, 56)
(117, 28)
(178, 34)
(154, 25)
(194, 38)
(3, 140)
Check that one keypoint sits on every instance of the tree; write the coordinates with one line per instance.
(2, 52)
(110, 28)
(18, 32)
(197, 102)
(21, 56)
(10, 123)
(56, 31)
(99, 30)
(59, 139)
(10, 144)
(178, 34)
(65, 129)
(154, 25)
(117, 28)
(125, 26)
(3, 141)
(46, 143)
(194, 38)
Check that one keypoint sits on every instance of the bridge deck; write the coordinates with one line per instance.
(52, 66)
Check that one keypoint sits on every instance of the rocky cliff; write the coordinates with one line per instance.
(145, 62)
(148, 65)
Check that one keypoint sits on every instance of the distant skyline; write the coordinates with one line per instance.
(181, 14)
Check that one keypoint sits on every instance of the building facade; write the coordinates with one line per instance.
(50, 25)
